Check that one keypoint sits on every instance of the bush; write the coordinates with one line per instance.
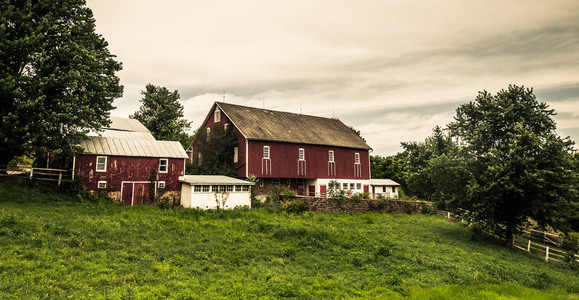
(294, 206)
(360, 196)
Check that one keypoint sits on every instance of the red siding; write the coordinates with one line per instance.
(120, 168)
(284, 161)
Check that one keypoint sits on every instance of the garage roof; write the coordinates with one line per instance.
(213, 180)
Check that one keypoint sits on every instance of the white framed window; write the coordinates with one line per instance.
(205, 188)
(238, 188)
(302, 154)
(215, 188)
(197, 189)
(217, 116)
(331, 156)
(235, 154)
(245, 188)
(345, 186)
(261, 183)
(161, 184)
(225, 126)
(229, 188)
(358, 186)
(101, 164)
(163, 165)
(102, 184)
(357, 158)
(200, 158)
(208, 133)
(266, 152)
(351, 186)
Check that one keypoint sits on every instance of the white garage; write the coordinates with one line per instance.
(214, 191)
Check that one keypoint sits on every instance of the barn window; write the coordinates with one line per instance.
(163, 165)
(331, 156)
(302, 154)
(197, 189)
(358, 186)
(200, 159)
(208, 133)
(357, 158)
(225, 126)
(217, 116)
(351, 186)
(236, 154)
(161, 184)
(275, 181)
(102, 184)
(101, 164)
(345, 186)
(266, 152)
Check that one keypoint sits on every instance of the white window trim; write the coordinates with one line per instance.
(97, 164)
(331, 156)
(217, 116)
(357, 158)
(161, 184)
(268, 152)
(208, 132)
(301, 154)
(235, 154)
(166, 165)
(102, 182)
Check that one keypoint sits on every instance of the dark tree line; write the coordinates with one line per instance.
(500, 159)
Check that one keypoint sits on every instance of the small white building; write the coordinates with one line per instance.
(385, 188)
(214, 191)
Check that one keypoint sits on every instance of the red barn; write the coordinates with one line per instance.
(301, 151)
(128, 163)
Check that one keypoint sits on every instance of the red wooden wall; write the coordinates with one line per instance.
(284, 161)
(121, 168)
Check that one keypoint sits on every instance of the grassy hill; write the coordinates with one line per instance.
(54, 247)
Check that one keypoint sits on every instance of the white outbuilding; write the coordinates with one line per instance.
(214, 191)
(385, 188)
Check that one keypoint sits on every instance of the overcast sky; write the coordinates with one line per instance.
(391, 69)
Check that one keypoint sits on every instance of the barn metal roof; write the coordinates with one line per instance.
(213, 180)
(100, 145)
(126, 124)
(388, 182)
(270, 125)
(120, 134)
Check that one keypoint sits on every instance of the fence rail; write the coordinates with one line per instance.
(45, 174)
(531, 241)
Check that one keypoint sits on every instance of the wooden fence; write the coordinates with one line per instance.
(45, 174)
(542, 244)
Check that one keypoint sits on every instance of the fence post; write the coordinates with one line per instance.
(31, 172)
(529, 246)
(59, 178)
(547, 254)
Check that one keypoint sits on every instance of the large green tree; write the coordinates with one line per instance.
(162, 113)
(519, 167)
(57, 77)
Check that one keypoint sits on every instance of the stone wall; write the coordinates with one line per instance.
(333, 205)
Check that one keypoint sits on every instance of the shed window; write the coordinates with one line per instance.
(101, 164)
(245, 188)
(393, 189)
(161, 184)
(217, 116)
(302, 154)
(197, 188)
(102, 184)
(229, 188)
(266, 152)
(357, 158)
(205, 188)
(214, 188)
(331, 156)
(163, 165)
(238, 188)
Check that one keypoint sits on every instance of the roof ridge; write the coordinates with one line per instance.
(278, 111)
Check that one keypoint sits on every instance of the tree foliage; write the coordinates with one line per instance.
(388, 167)
(57, 77)
(519, 167)
(216, 152)
(162, 113)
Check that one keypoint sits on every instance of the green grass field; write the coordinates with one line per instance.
(52, 247)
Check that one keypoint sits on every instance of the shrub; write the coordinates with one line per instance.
(294, 205)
